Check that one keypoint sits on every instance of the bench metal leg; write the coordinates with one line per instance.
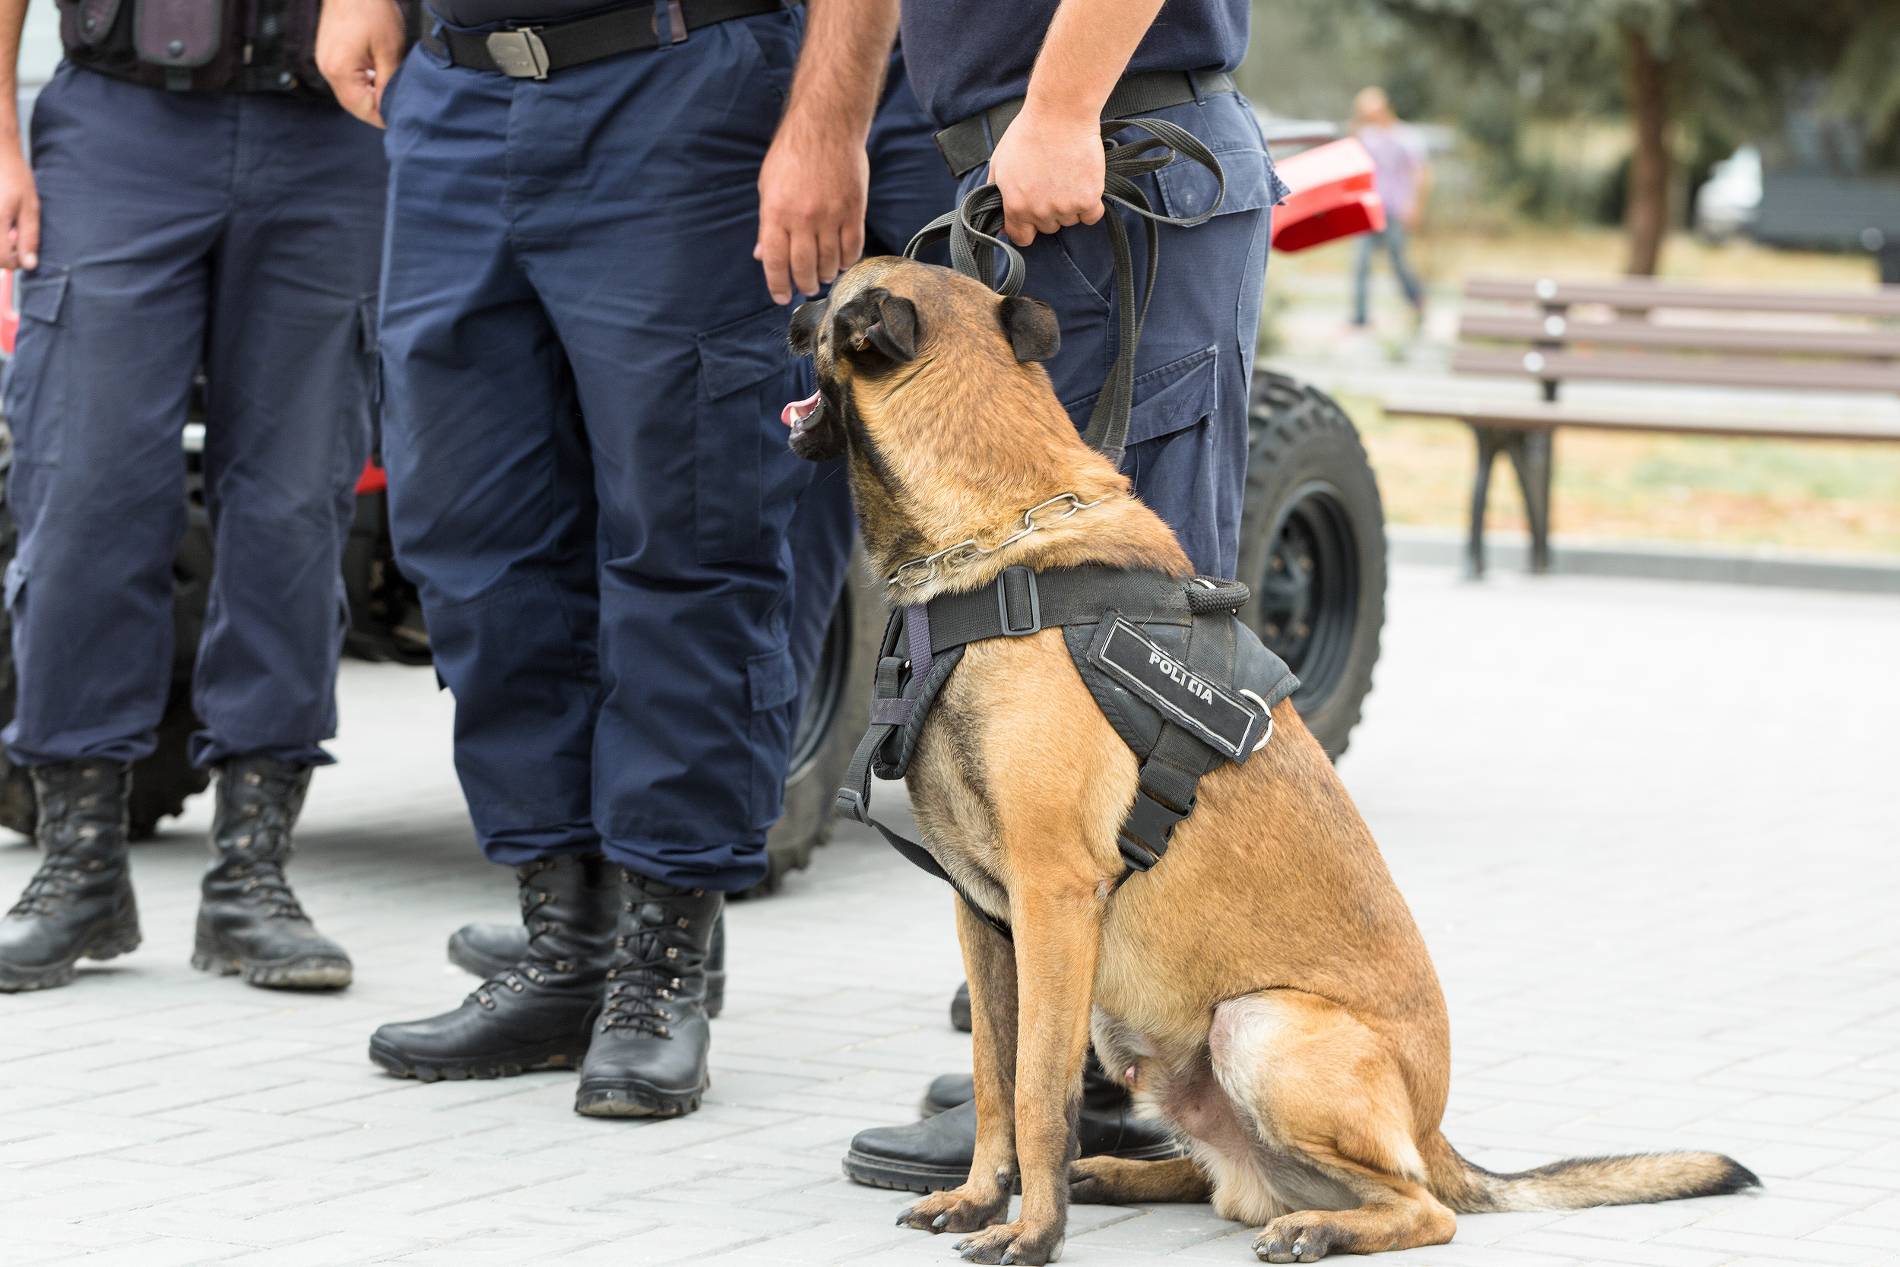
(1533, 456)
(1490, 441)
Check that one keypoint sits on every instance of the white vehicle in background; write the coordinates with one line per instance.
(1730, 200)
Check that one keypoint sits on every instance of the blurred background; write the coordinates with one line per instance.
(1734, 143)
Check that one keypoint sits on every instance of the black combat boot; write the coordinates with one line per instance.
(935, 1153)
(489, 949)
(537, 1012)
(648, 1058)
(78, 905)
(249, 922)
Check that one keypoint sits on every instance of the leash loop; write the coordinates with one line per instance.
(974, 230)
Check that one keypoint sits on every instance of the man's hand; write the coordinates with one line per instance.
(359, 46)
(1050, 172)
(812, 191)
(19, 211)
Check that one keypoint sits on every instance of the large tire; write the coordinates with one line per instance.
(837, 709)
(162, 782)
(1312, 547)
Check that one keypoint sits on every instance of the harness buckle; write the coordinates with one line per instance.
(519, 53)
(850, 804)
(1020, 581)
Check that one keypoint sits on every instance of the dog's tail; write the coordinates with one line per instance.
(1582, 1181)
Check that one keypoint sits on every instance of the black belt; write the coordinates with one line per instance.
(533, 52)
(968, 145)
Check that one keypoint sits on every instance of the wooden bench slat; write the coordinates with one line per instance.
(1841, 344)
(1536, 416)
(1875, 301)
(1557, 366)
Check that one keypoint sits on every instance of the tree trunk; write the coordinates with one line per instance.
(1646, 218)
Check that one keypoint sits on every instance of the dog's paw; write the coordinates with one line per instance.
(1090, 1182)
(1295, 1238)
(1012, 1243)
(956, 1210)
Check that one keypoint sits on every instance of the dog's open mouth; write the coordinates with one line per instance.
(798, 414)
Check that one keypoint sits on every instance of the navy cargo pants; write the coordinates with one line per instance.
(1187, 433)
(237, 232)
(589, 482)
(910, 187)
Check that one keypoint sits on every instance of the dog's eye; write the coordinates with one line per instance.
(807, 320)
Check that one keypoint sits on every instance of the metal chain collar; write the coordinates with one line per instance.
(926, 568)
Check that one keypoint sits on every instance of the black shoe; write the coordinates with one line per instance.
(648, 1057)
(249, 922)
(935, 1153)
(79, 904)
(945, 1092)
(536, 1013)
(489, 949)
(960, 1009)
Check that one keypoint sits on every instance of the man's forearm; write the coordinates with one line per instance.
(12, 20)
(841, 66)
(1084, 54)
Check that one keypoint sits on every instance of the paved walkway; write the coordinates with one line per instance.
(1650, 833)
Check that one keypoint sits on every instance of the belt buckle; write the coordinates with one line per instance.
(519, 53)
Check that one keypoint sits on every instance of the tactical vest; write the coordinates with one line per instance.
(1184, 682)
(201, 45)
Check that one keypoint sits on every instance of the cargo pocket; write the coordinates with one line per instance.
(1168, 397)
(744, 378)
(773, 682)
(35, 388)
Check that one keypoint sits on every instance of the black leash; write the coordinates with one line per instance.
(974, 229)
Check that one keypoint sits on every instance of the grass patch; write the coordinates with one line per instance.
(1840, 498)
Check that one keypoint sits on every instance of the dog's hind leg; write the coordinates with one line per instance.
(1125, 1181)
(1326, 1098)
(983, 1200)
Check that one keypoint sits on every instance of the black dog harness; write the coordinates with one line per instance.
(1183, 681)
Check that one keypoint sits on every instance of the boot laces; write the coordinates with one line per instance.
(51, 885)
(262, 882)
(532, 969)
(645, 977)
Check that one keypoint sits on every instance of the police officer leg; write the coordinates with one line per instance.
(291, 374)
(639, 244)
(491, 504)
(111, 324)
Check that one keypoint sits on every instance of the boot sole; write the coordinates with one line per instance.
(313, 972)
(110, 943)
(512, 1065)
(899, 1176)
(475, 963)
(637, 1099)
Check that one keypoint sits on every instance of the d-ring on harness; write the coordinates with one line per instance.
(1183, 681)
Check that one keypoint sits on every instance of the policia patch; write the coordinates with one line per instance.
(1233, 725)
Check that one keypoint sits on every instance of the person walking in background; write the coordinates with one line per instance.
(1402, 177)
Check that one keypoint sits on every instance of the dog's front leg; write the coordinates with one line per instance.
(1057, 924)
(984, 1197)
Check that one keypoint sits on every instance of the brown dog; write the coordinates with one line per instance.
(1264, 988)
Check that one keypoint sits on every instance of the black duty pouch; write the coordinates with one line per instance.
(87, 23)
(179, 36)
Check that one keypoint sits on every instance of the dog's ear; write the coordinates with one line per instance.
(879, 320)
(1031, 327)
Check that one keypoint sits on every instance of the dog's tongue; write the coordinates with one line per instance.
(799, 410)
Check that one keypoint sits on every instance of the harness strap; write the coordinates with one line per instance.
(895, 696)
(1166, 787)
(1021, 602)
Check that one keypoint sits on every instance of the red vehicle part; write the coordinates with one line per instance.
(1332, 197)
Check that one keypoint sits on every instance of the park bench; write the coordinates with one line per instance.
(1755, 349)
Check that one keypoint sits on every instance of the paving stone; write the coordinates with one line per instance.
(1655, 930)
